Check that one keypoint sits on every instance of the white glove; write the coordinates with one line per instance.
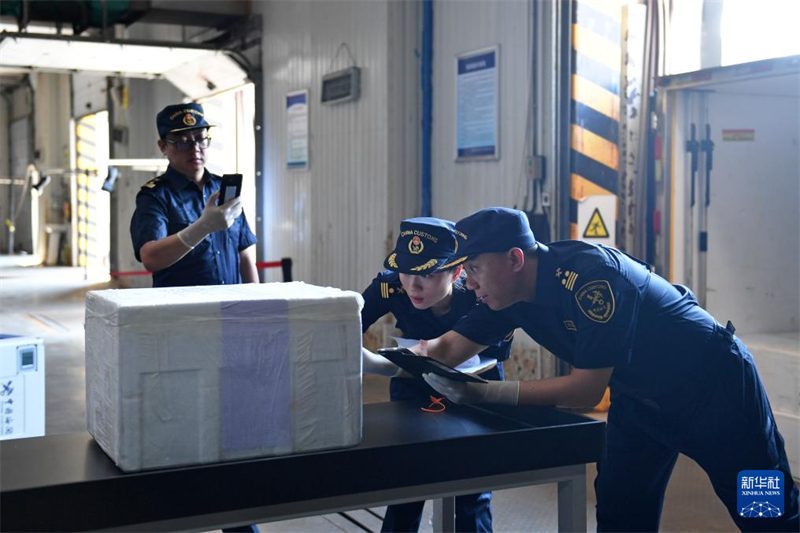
(214, 218)
(376, 364)
(462, 392)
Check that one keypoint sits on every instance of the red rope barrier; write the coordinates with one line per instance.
(270, 264)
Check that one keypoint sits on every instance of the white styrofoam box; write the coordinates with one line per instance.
(777, 357)
(190, 375)
(22, 405)
(789, 426)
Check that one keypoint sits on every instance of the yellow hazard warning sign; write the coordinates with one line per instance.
(596, 228)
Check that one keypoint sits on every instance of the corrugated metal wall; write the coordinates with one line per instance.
(461, 188)
(336, 219)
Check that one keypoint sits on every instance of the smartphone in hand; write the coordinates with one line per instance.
(231, 188)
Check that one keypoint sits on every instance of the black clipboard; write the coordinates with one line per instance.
(416, 365)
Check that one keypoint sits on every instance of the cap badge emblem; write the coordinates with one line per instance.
(415, 246)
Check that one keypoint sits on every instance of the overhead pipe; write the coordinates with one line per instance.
(426, 75)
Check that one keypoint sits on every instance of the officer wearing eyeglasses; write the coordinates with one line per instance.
(179, 232)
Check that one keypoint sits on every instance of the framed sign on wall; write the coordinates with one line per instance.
(477, 105)
(297, 130)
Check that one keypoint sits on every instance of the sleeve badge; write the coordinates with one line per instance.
(596, 301)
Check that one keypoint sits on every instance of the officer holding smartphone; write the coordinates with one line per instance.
(179, 231)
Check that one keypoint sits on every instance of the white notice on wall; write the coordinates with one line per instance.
(477, 104)
(297, 129)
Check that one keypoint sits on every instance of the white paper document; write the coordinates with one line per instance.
(474, 365)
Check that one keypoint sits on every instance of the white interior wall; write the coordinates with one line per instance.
(336, 219)
(359, 151)
(754, 215)
(680, 115)
(458, 189)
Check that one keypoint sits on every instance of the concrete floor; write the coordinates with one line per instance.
(49, 303)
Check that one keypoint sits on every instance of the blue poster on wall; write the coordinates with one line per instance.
(477, 105)
(297, 129)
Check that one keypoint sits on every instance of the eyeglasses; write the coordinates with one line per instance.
(186, 145)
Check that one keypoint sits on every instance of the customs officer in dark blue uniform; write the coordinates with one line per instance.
(178, 231)
(680, 381)
(424, 290)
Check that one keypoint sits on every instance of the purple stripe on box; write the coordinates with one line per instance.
(255, 377)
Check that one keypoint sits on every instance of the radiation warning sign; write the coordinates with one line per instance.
(596, 229)
(597, 216)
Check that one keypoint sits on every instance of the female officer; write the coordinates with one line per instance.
(424, 289)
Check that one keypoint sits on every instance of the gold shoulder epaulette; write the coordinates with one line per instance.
(152, 183)
(390, 289)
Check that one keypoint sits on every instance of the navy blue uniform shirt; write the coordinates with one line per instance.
(169, 203)
(596, 307)
(386, 295)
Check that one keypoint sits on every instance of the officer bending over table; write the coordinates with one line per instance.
(424, 289)
(179, 232)
(680, 381)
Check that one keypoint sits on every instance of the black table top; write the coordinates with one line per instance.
(66, 482)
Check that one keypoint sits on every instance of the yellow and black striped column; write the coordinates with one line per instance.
(594, 128)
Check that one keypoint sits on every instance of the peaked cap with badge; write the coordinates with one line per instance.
(426, 245)
(493, 229)
(181, 117)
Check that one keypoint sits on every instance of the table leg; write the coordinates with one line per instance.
(444, 515)
(572, 503)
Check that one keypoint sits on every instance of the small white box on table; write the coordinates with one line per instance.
(189, 375)
(22, 383)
